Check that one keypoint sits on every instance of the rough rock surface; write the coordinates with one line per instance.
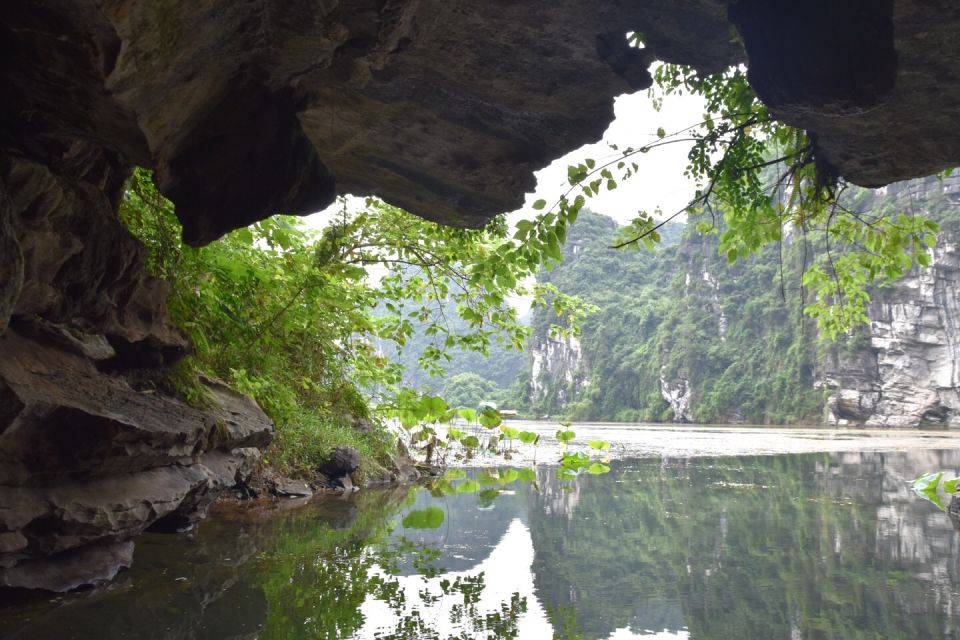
(556, 369)
(679, 395)
(247, 109)
(445, 108)
(342, 462)
(869, 78)
(904, 373)
(87, 460)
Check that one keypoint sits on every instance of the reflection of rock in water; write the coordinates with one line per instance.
(203, 593)
(221, 581)
(556, 497)
(341, 514)
(953, 512)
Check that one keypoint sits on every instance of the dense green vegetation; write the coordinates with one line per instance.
(293, 318)
(760, 181)
(681, 312)
(469, 377)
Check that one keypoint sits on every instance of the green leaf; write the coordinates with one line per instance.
(432, 407)
(471, 442)
(565, 473)
(468, 486)
(510, 432)
(599, 445)
(470, 415)
(488, 494)
(528, 437)
(951, 486)
(508, 476)
(661, 133)
(490, 418)
(565, 435)
(598, 468)
(539, 204)
(527, 474)
(429, 518)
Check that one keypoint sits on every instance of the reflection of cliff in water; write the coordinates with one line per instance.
(770, 547)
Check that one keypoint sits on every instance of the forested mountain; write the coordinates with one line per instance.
(671, 321)
(681, 335)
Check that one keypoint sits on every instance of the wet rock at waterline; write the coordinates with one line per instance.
(342, 462)
(88, 461)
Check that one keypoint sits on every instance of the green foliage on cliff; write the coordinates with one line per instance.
(681, 313)
(734, 334)
(758, 181)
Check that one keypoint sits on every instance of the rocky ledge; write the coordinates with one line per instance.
(87, 461)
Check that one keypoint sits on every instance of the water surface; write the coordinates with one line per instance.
(815, 545)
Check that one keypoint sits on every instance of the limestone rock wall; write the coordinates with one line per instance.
(904, 371)
(87, 461)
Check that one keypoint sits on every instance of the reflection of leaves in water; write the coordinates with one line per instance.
(926, 487)
(486, 497)
(468, 486)
(429, 518)
(563, 619)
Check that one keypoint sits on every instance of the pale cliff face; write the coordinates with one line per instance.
(907, 374)
(556, 369)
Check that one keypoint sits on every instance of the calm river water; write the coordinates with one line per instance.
(683, 543)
